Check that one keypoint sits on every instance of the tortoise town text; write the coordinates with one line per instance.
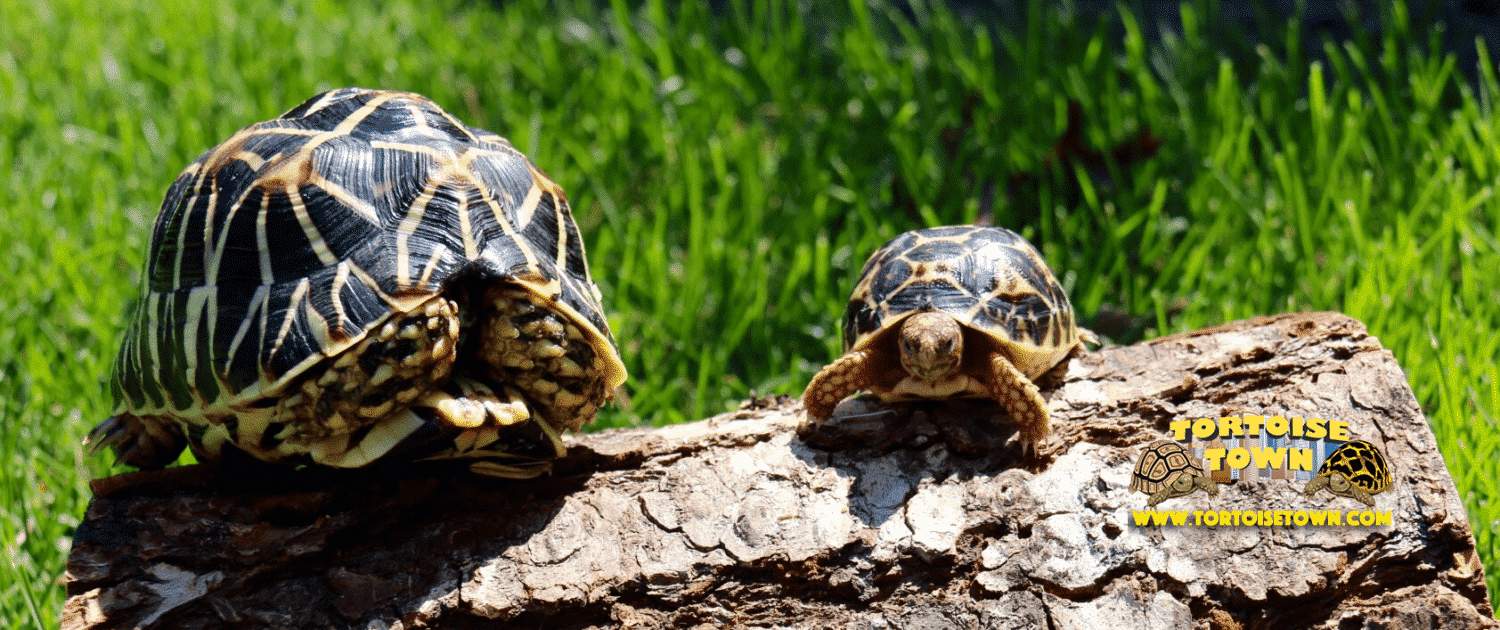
(1252, 426)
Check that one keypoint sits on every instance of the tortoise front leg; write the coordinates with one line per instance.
(1208, 485)
(1340, 484)
(1166, 492)
(837, 381)
(1021, 399)
(1313, 486)
(1183, 484)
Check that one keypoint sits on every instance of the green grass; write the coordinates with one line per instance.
(731, 174)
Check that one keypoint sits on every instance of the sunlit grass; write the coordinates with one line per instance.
(731, 173)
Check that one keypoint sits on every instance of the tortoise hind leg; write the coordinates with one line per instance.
(546, 356)
(462, 419)
(1021, 399)
(146, 442)
(836, 381)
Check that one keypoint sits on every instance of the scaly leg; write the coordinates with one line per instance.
(461, 419)
(1021, 399)
(396, 363)
(836, 381)
(146, 442)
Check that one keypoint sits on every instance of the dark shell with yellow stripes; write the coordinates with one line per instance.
(989, 279)
(1356, 470)
(279, 254)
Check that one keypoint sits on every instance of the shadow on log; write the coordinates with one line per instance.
(925, 517)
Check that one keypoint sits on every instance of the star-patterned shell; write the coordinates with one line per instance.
(291, 243)
(988, 278)
(1362, 464)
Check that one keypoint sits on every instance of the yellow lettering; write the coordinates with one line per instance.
(1383, 518)
(1283, 517)
(1230, 426)
(1300, 459)
(1276, 426)
(1318, 517)
(1338, 430)
(1296, 426)
(1267, 457)
(1252, 425)
(1367, 518)
(1180, 429)
(1211, 518)
(1203, 428)
(1197, 517)
(1212, 457)
(1300, 518)
(1239, 458)
(1335, 518)
(1315, 429)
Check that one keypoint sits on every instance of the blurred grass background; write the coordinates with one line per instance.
(733, 167)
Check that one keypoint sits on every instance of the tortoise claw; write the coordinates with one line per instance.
(109, 433)
(143, 442)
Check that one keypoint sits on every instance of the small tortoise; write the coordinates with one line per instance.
(1165, 470)
(1356, 470)
(364, 279)
(952, 312)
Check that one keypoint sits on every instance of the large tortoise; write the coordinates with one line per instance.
(952, 312)
(363, 279)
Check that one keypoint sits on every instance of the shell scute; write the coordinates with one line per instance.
(937, 250)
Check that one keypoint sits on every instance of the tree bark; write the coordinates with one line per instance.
(925, 516)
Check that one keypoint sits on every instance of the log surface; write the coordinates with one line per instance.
(925, 517)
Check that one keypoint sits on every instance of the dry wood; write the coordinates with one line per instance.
(927, 518)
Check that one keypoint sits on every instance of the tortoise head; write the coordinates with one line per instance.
(1338, 483)
(932, 343)
(1183, 482)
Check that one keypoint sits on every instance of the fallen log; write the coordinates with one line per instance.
(926, 516)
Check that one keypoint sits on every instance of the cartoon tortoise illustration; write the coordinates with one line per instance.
(1356, 470)
(1166, 469)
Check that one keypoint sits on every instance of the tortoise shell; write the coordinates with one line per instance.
(1362, 464)
(284, 249)
(1159, 463)
(988, 278)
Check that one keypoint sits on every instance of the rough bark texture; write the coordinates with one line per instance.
(926, 518)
